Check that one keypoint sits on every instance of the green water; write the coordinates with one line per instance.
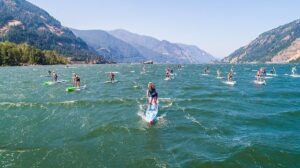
(203, 122)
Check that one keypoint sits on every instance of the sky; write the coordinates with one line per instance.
(216, 26)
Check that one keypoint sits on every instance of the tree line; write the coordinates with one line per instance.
(12, 54)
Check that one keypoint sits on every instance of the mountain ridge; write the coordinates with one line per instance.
(273, 46)
(161, 50)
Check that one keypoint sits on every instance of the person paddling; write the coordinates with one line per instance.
(77, 81)
(273, 71)
(259, 74)
(294, 70)
(49, 73)
(55, 76)
(229, 76)
(152, 95)
(219, 73)
(112, 77)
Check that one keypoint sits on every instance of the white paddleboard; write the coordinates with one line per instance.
(204, 74)
(220, 77)
(230, 82)
(295, 75)
(151, 114)
(112, 72)
(263, 82)
(115, 81)
(168, 79)
(269, 74)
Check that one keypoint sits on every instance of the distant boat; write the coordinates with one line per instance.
(148, 62)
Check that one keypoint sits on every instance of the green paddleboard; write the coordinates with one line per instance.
(71, 89)
(49, 83)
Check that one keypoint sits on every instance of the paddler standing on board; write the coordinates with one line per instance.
(229, 76)
(112, 77)
(55, 76)
(218, 73)
(152, 94)
(259, 74)
(77, 81)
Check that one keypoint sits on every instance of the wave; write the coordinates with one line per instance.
(258, 156)
(65, 103)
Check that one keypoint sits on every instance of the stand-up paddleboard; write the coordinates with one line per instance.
(115, 81)
(112, 72)
(167, 79)
(220, 77)
(295, 75)
(151, 113)
(263, 82)
(230, 82)
(73, 89)
(268, 77)
(270, 74)
(49, 76)
(48, 83)
(204, 74)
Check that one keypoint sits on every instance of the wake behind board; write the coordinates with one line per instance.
(151, 114)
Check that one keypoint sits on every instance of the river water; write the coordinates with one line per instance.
(202, 121)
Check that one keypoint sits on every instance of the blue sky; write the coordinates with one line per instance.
(217, 26)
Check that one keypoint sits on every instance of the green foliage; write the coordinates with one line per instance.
(12, 54)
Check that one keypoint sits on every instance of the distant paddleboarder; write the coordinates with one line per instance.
(112, 76)
(218, 73)
(229, 76)
(55, 76)
(206, 70)
(273, 71)
(76, 80)
(294, 70)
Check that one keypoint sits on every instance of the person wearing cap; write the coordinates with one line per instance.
(152, 94)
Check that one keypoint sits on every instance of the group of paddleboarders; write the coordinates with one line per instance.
(260, 74)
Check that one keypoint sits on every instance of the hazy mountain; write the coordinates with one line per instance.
(23, 22)
(112, 48)
(280, 45)
(163, 51)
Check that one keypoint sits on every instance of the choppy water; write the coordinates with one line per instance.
(202, 123)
